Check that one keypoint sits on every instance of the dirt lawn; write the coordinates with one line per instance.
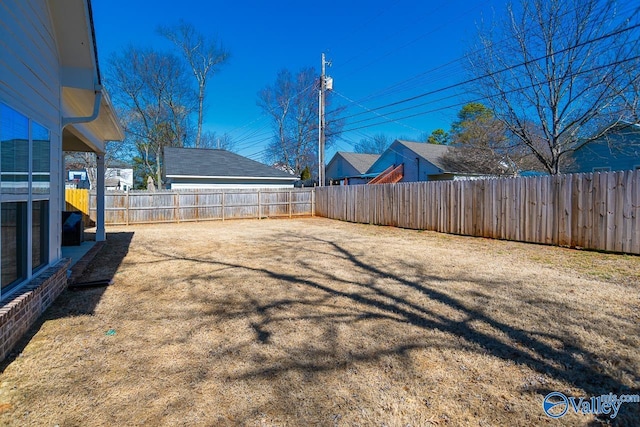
(320, 322)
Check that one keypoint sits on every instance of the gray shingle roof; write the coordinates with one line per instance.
(430, 152)
(361, 162)
(212, 162)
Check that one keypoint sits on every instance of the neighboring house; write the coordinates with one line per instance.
(350, 168)
(112, 184)
(284, 167)
(120, 179)
(51, 100)
(197, 168)
(618, 150)
(406, 161)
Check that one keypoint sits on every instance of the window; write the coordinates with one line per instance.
(14, 150)
(39, 234)
(14, 266)
(25, 185)
(41, 159)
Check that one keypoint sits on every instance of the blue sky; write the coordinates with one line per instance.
(373, 46)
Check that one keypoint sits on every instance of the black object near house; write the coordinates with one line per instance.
(72, 228)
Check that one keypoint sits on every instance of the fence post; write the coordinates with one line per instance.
(259, 207)
(223, 206)
(290, 194)
(197, 205)
(176, 203)
(126, 212)
(313, 202)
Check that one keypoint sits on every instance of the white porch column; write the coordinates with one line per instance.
(100, 231)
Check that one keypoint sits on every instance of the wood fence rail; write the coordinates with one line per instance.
(595, 210)
(143, 207)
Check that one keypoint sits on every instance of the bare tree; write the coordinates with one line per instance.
(375, 144)
(292, 105)
(204, 56)
(155, 102)
(563, 74)
(212, 139)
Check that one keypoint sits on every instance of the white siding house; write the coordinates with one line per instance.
(197, 168)
(51, 100)
(122, 177)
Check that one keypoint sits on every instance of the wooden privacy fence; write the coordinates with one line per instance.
(78, 200)
(596, 211)
(144, 207)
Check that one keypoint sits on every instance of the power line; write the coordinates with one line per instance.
(403, 85)
(484, 76)
(483, 98)
(376, 113)
(420, 37)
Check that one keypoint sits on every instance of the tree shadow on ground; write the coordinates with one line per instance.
(569, 362)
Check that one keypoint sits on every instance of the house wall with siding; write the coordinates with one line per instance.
(618, 152)
(31, 73)
(339, 168)
(30, 84)
(414, 170)
(194, 183)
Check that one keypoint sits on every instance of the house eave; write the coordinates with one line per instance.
(234, 177)
(80, 75)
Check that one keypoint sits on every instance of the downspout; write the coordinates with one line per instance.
(96, 110)
(100, 223)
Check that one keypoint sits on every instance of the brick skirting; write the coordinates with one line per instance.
(24, 308)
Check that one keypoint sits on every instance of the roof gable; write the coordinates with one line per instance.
(216, 163)
(428, 152)
(359, 161)
(432, 153)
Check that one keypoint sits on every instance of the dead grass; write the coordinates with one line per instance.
(319, 322)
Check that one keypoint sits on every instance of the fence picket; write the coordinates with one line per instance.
(141, 207)
(635, 213)
(596, 211)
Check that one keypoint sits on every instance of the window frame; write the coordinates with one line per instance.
(25, 230)
(21, 248)
(45, 226)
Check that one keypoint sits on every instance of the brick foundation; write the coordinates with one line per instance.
(24, 307)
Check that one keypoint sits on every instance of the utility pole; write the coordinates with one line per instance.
(326, 83)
